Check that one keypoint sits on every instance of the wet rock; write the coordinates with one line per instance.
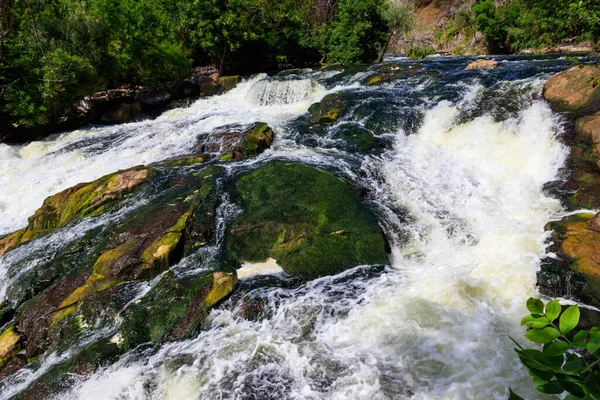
(175, 308)
(579, 247)
(83, 200)
(595, 223)
(307, 219)
(124, 113)
(330, 109)
(356, 139)
(576, 90)
(482, 64)
(236, 142)
(587, 130)
(209, 85)
(9, 344)
(228, 82)
(154, 99)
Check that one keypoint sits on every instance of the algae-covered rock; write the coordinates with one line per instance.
(83, 200)
(228, 82)
(236, 142)
(175, 308)
(575, 90)
(330, 109)
(9, 344)
(307, 219)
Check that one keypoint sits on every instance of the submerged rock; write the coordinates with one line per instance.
(576, 90)
(305, 218)
(482, 64)
(83, 200)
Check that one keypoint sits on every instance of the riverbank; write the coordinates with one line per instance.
(575, 269)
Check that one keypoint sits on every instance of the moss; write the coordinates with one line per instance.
(331, 108)
(375, 80)
(175, 307)
(229, 82)
(183, 161)
(83, 200)
(305, 218)
(227, 157)
(9, 344)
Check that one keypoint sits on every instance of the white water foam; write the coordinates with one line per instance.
(435, 326)
(30, 173)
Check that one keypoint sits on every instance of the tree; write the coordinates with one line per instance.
(400, 19)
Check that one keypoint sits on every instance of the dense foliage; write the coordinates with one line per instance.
(569, 360)
(53, 52)
(524, 24)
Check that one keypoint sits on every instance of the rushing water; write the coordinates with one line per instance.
(458, 185)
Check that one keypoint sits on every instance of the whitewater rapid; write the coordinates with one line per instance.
(461, 200)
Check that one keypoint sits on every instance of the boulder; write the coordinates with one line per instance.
(330, 109)
(83, 200)
(92, 284)
(124, 113)
(482, 64)
(577, 242)
(154, 99)
(236, 142)
(307, 219)
(228, 82)
(587, 130)
(576, 90)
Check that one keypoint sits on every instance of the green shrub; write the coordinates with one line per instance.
(418, 53)
(569, 360)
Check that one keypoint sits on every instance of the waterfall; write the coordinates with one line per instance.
(459, 190)
(273, 91)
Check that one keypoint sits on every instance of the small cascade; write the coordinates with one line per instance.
(270, 91)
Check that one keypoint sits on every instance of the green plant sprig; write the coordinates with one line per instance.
(568, 361)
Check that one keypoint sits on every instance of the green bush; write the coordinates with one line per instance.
(418, 53)
(569, 360)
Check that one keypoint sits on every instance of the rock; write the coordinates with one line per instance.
(92, 291)
(330, 109)
(175, 308)
(124, 113)
(595, 223)
(482, 64)
(83, 200)
(577, 242)
(9, 344)
(209, 86)
(307, 219)
(587, 130)
(228, 82)
(236, 142)
(576, 90)
(154, 99)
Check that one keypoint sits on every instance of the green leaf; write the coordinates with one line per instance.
(574, 364)
(556, 349)
(541, 377)
(551, 388)
(545, 335)
(535, 323)
(513, 396)
(535, 306)
(569, 319)
(593, 346)
(579, 339)
(553, 310)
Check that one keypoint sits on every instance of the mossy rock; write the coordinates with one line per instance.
(356, 139)
(576, 90)
(83, 200)
(175, 308)
(236, 142)
(228, 82)
(331, 108)
(307, 219)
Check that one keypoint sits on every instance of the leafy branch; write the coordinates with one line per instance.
(568, 361)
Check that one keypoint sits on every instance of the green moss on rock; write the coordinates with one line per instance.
(307, 219)
(330, 109)
(175, 308)
(83, 200)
